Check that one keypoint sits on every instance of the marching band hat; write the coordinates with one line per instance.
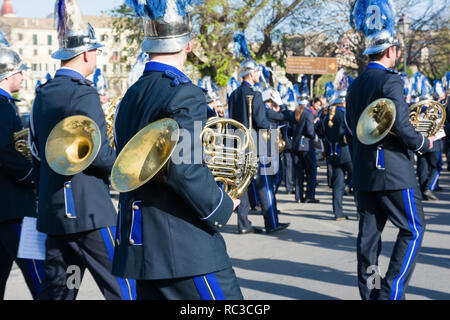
(376, 19)
(75, 36)
(10, 61)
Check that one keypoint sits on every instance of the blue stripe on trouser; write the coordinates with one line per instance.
(435, 179)
(270, 198)
(255, 194)
(127, 286)
(68, 197)
(414, 225)
(35, 267)
(208, 287)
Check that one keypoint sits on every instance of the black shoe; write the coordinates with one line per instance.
(281, 226)
(251, 230)
(429, 195)
(312, 201)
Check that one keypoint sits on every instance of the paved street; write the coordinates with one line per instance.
(315, 258)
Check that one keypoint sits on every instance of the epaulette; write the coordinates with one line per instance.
(177, 79)
(396, 72)
(85, 82)
(38, 88)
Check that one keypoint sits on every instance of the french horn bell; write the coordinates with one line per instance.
(73, 144)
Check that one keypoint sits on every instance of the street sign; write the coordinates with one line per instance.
(311, 65)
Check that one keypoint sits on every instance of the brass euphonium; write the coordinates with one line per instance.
(21, 143)
(427, 117)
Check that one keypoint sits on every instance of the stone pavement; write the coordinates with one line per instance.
(315, 258)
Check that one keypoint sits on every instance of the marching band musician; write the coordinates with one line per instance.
(169, 237)
(303, 133)
(384, 177)
(250, 72)
(428, 162)
(335, 133)
(76, 211)
(16, 176)
(278, 115)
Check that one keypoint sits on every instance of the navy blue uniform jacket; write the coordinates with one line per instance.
(336, 138)
(389, 164)
(68, 94)
(16, 173)
(238, 107)
(169, 228)
(303, 131)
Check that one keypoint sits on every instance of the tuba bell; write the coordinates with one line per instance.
(376, 121)
(21, 143)
(72, 145)
(230, 153)
(427, 117)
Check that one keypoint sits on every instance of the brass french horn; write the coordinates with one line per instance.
(230, 153)
(72, 145)
(427, 117)
(110, 113)
(376, 121)
(145, 155)
(21, 143)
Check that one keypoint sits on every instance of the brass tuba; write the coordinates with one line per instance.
(427, 117)
(21, 143)
(230, 153)
(72, 145)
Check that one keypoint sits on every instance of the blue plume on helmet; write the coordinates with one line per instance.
(304, 87)
(156, 9)
(291, 96)
(100, 82)
(329, 90)
(48, 77)
(3, 41)
(427, 89)
(240, 46)
(373, 16)
(62, 18)
(296, 89)
(233, 84)
(446, 81)
(438, 89)
(138, 68)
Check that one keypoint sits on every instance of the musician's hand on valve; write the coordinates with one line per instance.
(236, 203)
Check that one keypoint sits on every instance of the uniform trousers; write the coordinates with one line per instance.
(264, 190)
(220, 285)
(67, 258)
(304, 165)
(427, 170)
(288, 171)
(404, 209)
(32, 270)
(338, 185)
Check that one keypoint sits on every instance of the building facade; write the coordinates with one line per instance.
(35, 39)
